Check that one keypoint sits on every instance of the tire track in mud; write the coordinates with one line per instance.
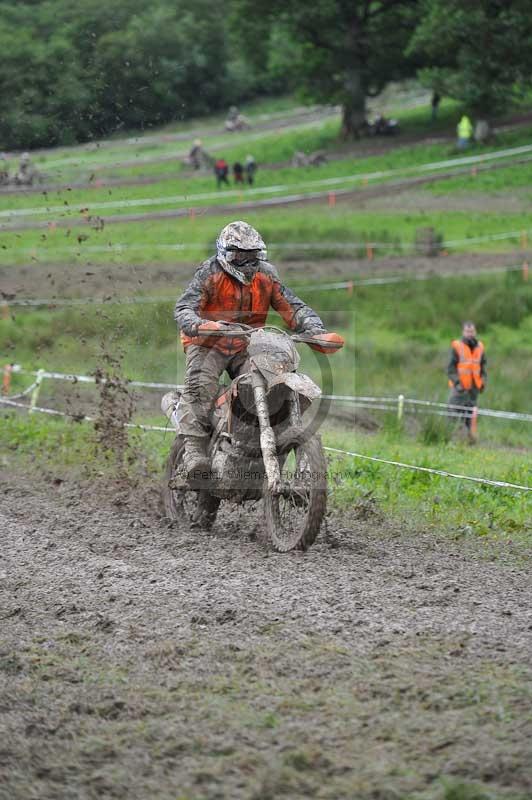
(232, 657)
(450, 581)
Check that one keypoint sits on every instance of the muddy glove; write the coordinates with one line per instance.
(201, 327)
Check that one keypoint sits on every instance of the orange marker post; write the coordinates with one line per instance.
(331, 198)
(525, 271)
(369, 251)
(474, 421)
(192, 213)
(6, 379)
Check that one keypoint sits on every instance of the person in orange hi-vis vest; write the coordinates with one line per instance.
(467, 374)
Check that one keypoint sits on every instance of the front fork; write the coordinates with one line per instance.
(268, 445)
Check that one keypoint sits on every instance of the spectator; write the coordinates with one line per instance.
(251, 168)
(464, 130)
(238, 172)
(221, 171)
(195, 154)
(435, 102)
(467, 375)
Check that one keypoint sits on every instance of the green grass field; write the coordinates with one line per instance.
(327, 229)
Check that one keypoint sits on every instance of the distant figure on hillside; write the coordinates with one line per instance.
(251, 168)
(221, 171)
(464, 131)
(238, 172)
(4, 171)
(26, 171)
(434, 104)
(195, 153)
(467, 376)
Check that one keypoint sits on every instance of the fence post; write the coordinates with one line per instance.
(474, 421)
(6, 378)
(400, 407)
(36, 390)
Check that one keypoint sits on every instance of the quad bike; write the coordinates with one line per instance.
(382, 126)
(238, 123)
(260, 447)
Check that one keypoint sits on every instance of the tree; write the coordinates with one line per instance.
(74, 71)
(480, 51)
(343, 50)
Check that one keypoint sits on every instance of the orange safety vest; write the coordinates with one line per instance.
(468, 364)
(225, 298)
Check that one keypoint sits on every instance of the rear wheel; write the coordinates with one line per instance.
(294, 516)
(179, 501)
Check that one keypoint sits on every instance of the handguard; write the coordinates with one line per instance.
(323, 342)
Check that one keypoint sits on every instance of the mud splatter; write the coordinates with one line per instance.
(115, 408)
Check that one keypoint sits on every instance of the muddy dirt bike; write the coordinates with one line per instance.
(260, 446)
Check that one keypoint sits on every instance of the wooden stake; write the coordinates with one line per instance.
(6, 379)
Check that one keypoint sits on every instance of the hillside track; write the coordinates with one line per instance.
(101, 176)
(116, 280)
(356, 196)
(141, 658)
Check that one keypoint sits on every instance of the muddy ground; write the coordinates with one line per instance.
(116, 280)
(143, 659)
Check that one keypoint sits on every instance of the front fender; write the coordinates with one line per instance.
(299, 383)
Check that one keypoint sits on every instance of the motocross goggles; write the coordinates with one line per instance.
(242, 258)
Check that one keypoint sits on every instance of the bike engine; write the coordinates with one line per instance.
(237, 476)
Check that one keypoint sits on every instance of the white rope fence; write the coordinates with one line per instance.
(442, 472)
(398, 404)
(353, 246)
(400, 464)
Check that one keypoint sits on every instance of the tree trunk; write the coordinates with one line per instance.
(483, 132)
(354, 106)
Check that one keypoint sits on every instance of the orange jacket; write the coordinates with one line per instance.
(214, 294)
(469, 363)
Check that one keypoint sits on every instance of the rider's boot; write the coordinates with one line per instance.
(195, 460)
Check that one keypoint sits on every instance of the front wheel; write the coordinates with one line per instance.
(294, 515)
(180, 502)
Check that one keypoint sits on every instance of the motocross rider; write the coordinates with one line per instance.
(237, 285)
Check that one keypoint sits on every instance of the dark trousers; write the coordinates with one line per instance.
(467, 400)
(204, 365)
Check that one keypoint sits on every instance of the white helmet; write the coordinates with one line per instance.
(239, 248)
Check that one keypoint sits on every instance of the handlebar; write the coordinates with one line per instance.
(322, 341)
